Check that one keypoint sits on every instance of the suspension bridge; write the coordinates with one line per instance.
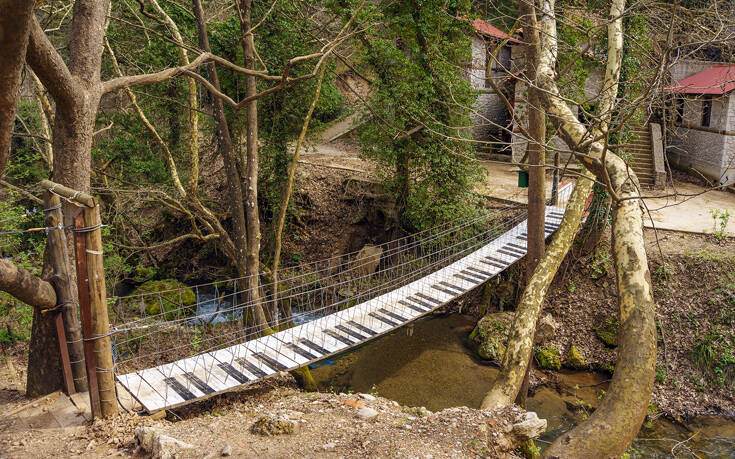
(175, 347)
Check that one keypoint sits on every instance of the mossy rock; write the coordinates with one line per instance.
(548, 357)
(575, 359)
(272, 425)
(304, 379)
(607, 332)
(174, 295)
(529, 450)
(490, 336)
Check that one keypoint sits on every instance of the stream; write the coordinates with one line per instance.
(429, 365)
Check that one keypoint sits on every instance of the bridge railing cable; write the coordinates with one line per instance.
(160, 327)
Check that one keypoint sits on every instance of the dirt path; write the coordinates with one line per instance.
(301, 425)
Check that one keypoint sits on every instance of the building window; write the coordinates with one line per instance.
(679, 105)
(706, 110)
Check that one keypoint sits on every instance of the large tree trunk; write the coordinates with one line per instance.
(15, 20)
(507, 384)
(76, 90)
(536, 153)
(234, 184)
(613, 426)
(251, 179)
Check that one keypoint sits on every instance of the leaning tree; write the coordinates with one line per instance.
(612, 427)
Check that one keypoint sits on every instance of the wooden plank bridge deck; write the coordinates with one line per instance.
(202, 376)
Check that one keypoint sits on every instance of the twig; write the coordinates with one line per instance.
(21, 191)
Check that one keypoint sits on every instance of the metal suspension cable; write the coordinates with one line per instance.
(417, 237)
(28, 213)
(283, 294)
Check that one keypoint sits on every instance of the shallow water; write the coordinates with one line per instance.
(213, 310)
(429, 365)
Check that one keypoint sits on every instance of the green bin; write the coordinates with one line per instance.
(523, 179)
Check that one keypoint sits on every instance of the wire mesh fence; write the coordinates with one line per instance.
(161, 327)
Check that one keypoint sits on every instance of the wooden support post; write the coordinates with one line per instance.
(98, 309)
(66, 295)
(61, 190)
(65, 365)
(83, 288)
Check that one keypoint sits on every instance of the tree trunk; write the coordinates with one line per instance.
(507, 384)
(44, 359)
(285, 198)
(15, 21)
(613, 426)
(76, 90)
(234, 184)
(251, 179)
(536, 153)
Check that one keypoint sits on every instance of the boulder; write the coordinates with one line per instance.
(273, 425)
(548, 357)
(158, 445)
(575, 359)
(174, 294)
(368, 259)
(529, 427)
(546, 329)
(490, 336)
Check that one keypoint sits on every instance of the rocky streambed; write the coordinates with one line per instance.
(433, 365)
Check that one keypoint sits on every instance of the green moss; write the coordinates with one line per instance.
(174, 295)
(607, 332)
(548, 357)
(489, 337)
(575, 359)
(529, 450)
(304, 379)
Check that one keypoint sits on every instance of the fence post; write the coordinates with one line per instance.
(58, 256)
(98, 308)
(92, 300)
(83, 288)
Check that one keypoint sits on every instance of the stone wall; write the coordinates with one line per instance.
(710, 153)
(728, 157)
(592, 88)
(489, 111)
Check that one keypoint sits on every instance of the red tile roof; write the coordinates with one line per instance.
(483, 28)
(719, 79)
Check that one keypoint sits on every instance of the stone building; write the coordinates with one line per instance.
(490, 116)
(703, 117)
(495, 128)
